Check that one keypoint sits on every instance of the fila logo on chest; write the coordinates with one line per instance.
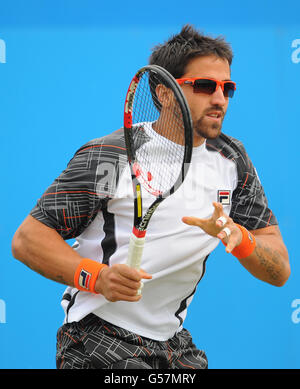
(224, 197)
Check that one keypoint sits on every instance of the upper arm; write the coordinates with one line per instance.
(273, 237)
(29, 230)
(73, 200)
(249, 203)
(270, 230)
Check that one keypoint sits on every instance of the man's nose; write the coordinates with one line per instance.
(218, 98)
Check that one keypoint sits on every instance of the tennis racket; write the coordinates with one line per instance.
(159, 139)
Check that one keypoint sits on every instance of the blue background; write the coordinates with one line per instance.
(68, 65)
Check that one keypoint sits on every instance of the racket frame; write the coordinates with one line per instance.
(141, 221)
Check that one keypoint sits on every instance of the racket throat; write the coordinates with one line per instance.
(138, 233)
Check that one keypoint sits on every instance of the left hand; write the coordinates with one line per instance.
(215, 227)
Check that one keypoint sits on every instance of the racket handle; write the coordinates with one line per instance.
(135, 253)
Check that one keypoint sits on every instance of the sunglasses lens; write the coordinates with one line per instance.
(205, 86)
(229, 89)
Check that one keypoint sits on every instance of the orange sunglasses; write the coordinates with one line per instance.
(209, 85)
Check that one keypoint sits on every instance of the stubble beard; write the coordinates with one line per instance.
(207, 131)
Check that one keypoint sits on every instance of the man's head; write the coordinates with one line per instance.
(190, 54)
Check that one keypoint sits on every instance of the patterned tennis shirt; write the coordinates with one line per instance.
(92, 202)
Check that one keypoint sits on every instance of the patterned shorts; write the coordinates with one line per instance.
(93, 343)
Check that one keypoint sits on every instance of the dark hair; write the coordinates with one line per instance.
(175, 54)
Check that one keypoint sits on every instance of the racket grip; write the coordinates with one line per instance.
(135, 251)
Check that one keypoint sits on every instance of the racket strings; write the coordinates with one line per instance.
(158, 136)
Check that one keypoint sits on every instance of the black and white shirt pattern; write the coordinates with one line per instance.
(92, 201)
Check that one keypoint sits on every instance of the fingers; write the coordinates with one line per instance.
(234, 240)
(218, 225)
(225, 233)
(218, 210)
(225, 225)
(132, 274)
(121, 283)
(209, 225)
(145, 275)
(193, 221)
(221, 221)
(230, 234)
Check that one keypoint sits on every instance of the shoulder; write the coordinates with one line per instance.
(233, 149)
(107, 149)
(113, 142)
(228, 147)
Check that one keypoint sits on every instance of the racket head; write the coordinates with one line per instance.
(158, 134)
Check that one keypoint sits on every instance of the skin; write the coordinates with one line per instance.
(202, 105)
(43, 250)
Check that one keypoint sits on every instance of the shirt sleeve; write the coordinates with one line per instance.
(249, 202)
(73, 200)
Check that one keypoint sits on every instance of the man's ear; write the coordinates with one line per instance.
(164, 95)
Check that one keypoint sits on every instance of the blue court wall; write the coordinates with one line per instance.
(64, 71)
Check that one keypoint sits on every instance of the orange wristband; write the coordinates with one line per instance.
(86, 274)
(247, 245)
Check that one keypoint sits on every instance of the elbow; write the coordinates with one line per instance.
(285, 268)
(285, 274)
(17, 244)
(285, 278)
(280, 283)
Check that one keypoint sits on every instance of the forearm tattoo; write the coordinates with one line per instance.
(57, 278)
(270, 259)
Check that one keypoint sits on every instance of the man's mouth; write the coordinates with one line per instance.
(214, 115)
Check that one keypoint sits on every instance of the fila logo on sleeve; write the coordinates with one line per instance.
(224, 197)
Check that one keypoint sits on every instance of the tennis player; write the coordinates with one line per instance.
(107, 325)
